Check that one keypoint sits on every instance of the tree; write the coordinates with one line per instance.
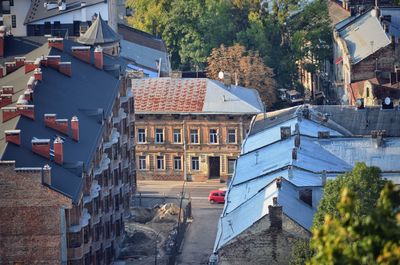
(366, 184)
(373, 238)
(301, 252)
(246, 69)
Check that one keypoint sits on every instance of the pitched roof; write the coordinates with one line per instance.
(336, 12)
(192, 95)
(38, 11)
(364, 36)
(141, 38)
(20, 46)
(90, 99)
(99, 33)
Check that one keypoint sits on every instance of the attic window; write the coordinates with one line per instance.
(306, 196)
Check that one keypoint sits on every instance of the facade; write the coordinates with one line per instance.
(190, 129)
(85, 139)
(284, 164)
(363, 45)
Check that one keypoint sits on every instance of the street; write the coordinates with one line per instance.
(200, 236)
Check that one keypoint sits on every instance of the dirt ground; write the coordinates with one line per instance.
(146, 226)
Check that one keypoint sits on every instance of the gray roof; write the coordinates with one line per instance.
(99, 33)
(88, 94)
(20, 46)
(37, 11)
(364, 36)
(394, 26)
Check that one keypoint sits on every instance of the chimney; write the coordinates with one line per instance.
(306, 112)
(377, 136)
(294, 153)
(65, 68)
(41, 147)
(61, 125)
(10, 67)
(98, 57)
(83, 12)
(2, 33)
(297, 128)
(75, 128)
(53, 61)
(1, 71)
(31, 83)
(29, 66)
(57, 43)
(324, 134)
(290, 172)
(279, 182)
(176, 74)
(81, 52)
(38, 74)
(297, 141)
(275, 214)
(5, 100)
(9, 113)
(28, 94)
(393, 78)
(227, 79)
(40, 61)
(323, 177)
(27, 111)
(49, 119)
(46, 175)
(58, 151)
(13, 136)
(285, 132)
(20, 61)
(8, 89)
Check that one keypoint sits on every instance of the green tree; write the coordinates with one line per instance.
(373, 238)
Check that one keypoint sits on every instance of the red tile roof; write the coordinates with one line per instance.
(169, 95)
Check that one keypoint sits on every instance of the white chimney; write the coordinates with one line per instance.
(83, 12)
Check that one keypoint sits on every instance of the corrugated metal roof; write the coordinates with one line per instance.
(364, 36)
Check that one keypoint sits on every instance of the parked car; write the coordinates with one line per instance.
(217, 196)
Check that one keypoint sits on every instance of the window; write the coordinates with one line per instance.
(141, 135)
(177, 163)
(213, 136)
(177, 136)
(14, 21)
(231, 166)
(11, 2)
(159, 136)
(231, 136)
(160, 162)
(306, 196)
(195, 163)
(194, 136)
(142, 162)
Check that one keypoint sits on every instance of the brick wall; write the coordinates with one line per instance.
(29, 219)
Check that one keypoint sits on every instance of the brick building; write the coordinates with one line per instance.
(67, 106)
(190, 128)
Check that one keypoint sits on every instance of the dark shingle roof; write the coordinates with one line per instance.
(99, 33)
(141, 38)
(87, 91)
(37, 11)
(20, 46)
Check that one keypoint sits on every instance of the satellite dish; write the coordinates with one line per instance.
(221, 75)
(387, 101)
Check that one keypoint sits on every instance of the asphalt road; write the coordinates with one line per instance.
(199, 238)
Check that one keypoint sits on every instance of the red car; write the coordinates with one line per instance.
(217, 196)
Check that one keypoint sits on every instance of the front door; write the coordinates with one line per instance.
(214, 166)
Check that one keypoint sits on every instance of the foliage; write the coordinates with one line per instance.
(246, 69)
(366, 184)
(301, 252)
(373, 238)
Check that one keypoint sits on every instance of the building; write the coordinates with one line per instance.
(364, 44)
(279, 177)
(68, 165)
(190, 128)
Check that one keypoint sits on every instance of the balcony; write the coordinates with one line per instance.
(84, 221)
(76, 252)
(94, 192)
(105, 161)
(113, 139)
(121, 115)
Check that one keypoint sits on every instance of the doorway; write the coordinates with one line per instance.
(214, 167)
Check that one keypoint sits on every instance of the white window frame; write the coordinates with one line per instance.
(195, 163)
(194, 136)
(140, 135)
(229, 133)
(142, 166)
(159, 136)
(162, 160)
(213, 136)
(176, 159)
(177, 135)
(233, 169)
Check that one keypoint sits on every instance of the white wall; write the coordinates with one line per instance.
(70, 17)
(20, 9)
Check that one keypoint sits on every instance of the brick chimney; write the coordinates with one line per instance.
(75, 128)
(28, 94)
(9, 113)
(29, 66)
(10, 67)
(57, 43)
(46, 175)
(38, 74)
(13, 136)
(2, 33)
(53, 61)
(5, 99)
(20, 61)
(1, 71)
(98, 57)
(81, 52)
(31, 83)
(8, 89)
(41, 147)
(61, 125)
(58, 151)
(27, 111)
(275, 214)
(49, 119)
(285, 132)
(65, 68)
